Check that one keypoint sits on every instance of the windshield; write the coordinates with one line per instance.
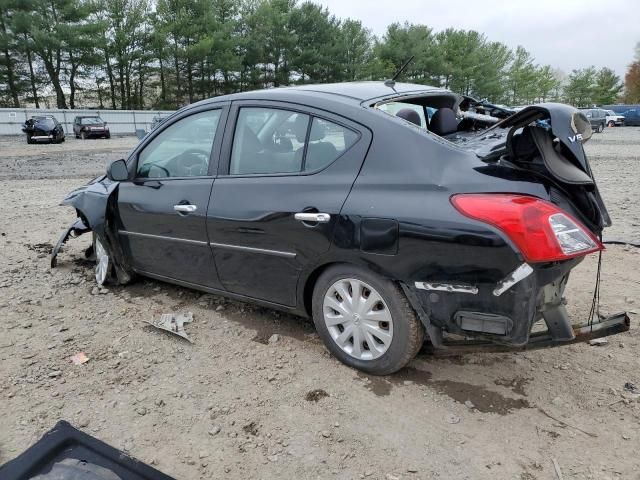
(90, 120)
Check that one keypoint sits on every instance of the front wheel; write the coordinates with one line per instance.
(103, 261)
(611, 123)
(365, 320)
(83, 135)
(600, 128)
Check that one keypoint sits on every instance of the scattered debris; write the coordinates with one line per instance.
(630, 387)
(315, 395)
(598, 341)
(274, 338)
(173, 323)
(557, 468)
(565, 424)
(79, 358)
(453, 419)
(251, 428)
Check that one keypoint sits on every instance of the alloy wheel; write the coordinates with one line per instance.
(102, 263)
(358, 319)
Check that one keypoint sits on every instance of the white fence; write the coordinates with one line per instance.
(120, 122)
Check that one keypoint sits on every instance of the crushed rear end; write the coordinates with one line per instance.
(550, 236)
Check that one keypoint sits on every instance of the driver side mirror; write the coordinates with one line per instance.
(117, 171)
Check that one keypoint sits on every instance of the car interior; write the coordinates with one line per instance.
(446, 115)
(272, 141)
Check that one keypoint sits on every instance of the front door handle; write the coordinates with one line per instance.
(312, 217)
(185, 208)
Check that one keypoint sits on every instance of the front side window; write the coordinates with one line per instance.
(276, 141)
(182, 149)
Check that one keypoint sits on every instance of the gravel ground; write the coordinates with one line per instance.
(242, 403)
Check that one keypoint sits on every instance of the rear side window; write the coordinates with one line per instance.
(327, 141)
(277, 141)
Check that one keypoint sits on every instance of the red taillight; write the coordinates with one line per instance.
(541, 231)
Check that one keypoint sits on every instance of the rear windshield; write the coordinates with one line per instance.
(45, 123)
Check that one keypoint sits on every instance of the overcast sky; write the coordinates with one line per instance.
(566, 34)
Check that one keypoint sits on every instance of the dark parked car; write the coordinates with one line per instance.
(631, 113)
(381, 225)
(597, 117)
(90, 126)
(43, 128)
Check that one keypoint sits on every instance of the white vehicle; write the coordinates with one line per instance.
(613, 119)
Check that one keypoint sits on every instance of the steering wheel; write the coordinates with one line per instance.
(193, 162)
(165, 172)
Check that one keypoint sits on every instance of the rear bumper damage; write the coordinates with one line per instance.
(612, 325)
(501, 315)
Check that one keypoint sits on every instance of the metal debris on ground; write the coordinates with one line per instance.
(173, 323)
(598, 341)
(79, 358)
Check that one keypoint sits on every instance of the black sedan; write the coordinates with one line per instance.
(43, 128)
(384, 211)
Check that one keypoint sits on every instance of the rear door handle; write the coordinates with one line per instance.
(312, 217)
(185, 208)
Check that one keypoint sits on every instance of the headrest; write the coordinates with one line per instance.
(318, 131)
(300, 125)
(409, 115)
(443, 122)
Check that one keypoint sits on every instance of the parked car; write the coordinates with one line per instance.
(613, 119)
(90, 126)
(381, 226)
(43, 128)
(597, 117)
(631, 113)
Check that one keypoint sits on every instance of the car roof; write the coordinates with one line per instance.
(347, 92)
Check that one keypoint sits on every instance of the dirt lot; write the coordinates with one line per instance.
(235, 405)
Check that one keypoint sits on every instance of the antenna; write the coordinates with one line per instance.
(392, 81)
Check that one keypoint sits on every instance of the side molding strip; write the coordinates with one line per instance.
(162, 237)
(241, 248)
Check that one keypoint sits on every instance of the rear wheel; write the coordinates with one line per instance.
(29, 139)
(365, 320)
(600, 128)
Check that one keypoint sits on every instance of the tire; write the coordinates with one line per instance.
(29, 141)
(107, 136)
(600, 128)
(404, 334)
(83, 135)
(104, 265)
(611, 124)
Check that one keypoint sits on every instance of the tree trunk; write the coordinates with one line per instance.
(112, 85)
(163, 88)
(175, 59)
(72, 82)
(54, 76)
(32, 77)
(11, 80)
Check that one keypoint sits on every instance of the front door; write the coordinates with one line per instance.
(163, 210)
(276, 199)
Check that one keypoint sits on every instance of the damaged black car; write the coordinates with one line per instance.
(387, 212)
(43, 128)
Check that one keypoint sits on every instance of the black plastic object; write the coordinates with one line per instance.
(67, 453)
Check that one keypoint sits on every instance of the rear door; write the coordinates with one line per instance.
(286, 173)
(163, 210)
